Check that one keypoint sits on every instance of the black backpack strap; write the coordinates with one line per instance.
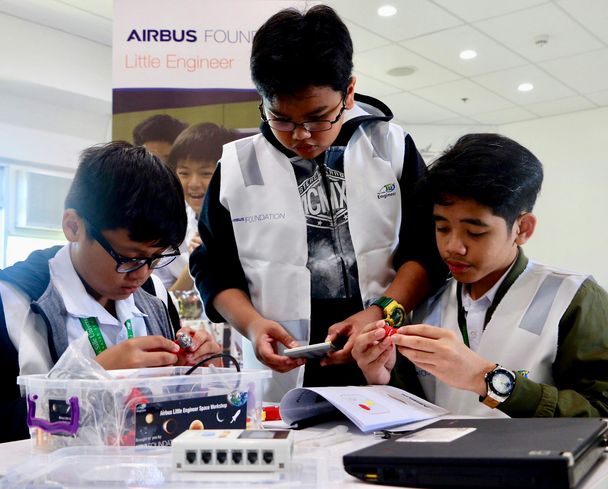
(9, 360)
(12, 406)
(32, 276)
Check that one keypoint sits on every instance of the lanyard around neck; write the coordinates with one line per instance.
(520, 265)
(91, 326)
(462, 317)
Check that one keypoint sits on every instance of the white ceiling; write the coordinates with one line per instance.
(569, 72)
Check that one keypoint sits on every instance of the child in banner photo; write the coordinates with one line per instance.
(308, 224)
(506, 336)
(157, 134)
(124, 216)
(193, 158)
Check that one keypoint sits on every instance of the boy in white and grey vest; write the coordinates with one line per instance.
(124, 216)
(307, 223)
(506, 336)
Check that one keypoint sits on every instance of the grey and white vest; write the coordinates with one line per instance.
(259, 189)
(522, 334)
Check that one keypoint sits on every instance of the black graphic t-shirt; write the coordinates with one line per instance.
(335, 293)
(331, 256)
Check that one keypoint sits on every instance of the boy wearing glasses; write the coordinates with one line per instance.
(506, 336)
(308, 223)
(124, 217)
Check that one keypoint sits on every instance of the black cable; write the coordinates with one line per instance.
(386, 434)
(213, 357)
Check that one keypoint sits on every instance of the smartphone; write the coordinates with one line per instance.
(318, 350)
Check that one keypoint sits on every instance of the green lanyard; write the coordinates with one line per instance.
(520, 265)
(91, 326)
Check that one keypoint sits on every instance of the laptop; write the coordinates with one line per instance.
(519, 453)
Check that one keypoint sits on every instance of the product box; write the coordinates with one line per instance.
(141, 406)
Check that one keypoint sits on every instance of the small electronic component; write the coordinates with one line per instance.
(232, 450)
(389, 330)
(184, 340)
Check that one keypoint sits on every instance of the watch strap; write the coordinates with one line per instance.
(382, 302)
(490, 401)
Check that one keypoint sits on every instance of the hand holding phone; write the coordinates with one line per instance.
(318, 350)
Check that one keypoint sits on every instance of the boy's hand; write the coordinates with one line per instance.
(194, 243)
(350, 327)
(264, 334)
(375, 353)
(203, 345)
(140, 352)
(442, 353)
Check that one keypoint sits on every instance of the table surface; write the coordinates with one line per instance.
(312, 467)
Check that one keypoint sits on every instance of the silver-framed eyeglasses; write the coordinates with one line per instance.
(311, 126)
(125, 264)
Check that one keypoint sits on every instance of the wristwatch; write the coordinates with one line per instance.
(500, 383)
(394, 314)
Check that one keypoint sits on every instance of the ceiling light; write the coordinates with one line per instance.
(468, 54)
(525, 87)
(402, 71)
(387, 11)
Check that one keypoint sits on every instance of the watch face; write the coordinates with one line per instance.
(502, 383)
(397, 316)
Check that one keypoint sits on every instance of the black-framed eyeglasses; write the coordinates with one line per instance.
(126, 265)
(310, 126)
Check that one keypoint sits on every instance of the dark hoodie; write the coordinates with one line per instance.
(335, 293)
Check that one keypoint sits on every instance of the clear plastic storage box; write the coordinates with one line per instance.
(104, 467)
(141, 406)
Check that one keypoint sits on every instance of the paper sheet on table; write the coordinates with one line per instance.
(370, 408)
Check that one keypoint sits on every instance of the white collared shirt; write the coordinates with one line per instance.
(79, 304)
(476, 310)
(173, 270)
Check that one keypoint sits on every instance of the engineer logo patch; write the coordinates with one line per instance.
(387, 191)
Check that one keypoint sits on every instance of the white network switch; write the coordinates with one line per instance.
(232, 450)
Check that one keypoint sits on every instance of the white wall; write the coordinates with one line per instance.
(572, 230)
(55, 94)
(432, 140)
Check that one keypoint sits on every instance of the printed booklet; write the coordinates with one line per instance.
(370, 407)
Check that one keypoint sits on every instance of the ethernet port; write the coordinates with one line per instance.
(190, 456)
(221, 456)
(206, 456)
(237, 457)
(268, 457)
(252, 456)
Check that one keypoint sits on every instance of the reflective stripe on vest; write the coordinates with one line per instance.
(522, 334)
(260, 191)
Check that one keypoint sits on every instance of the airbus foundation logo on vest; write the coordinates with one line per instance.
(322, 211)
(271, 216)
(387, 191)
